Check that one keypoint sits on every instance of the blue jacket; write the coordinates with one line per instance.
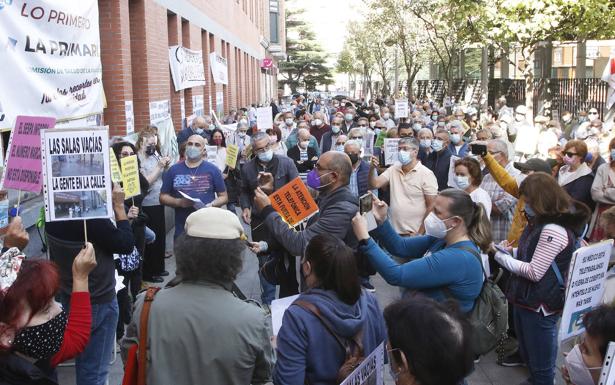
(305, 349)
(463, 150)
(431, 266)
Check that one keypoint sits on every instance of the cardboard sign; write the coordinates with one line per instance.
(264, 120)
(77, 175)
(130, 176)
(116, 174)
(585, 286)
(293, 202)
(212, 153)
(401, 108)
(370, 371)
(24, 170)
(232, 150)
(390, 151)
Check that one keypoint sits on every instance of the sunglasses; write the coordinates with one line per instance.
(570, 154)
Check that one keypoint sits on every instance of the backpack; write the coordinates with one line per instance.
(489, 316)
(354, 357)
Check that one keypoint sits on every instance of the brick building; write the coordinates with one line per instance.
(135, 36)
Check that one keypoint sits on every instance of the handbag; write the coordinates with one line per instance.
(135, 370)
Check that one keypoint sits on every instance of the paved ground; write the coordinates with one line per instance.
(487, 371)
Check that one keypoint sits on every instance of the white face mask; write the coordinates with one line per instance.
(435, 226)
(462, 181)
(386, 116)
(317, 122)
(577, 370)
(304, 144)
(289, 121)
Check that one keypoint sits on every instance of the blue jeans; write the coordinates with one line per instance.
(537, 335)
(92, 365)
(268, 290)
(150, 236)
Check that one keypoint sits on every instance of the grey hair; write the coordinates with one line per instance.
(305, 130)
(500, 146)
(352, 143)
(425, 130)
(355, 131)
(208, 259)
(258, 136)
(410, 142)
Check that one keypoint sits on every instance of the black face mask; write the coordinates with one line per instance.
(150, 150)
(353, 158)
(42, 341)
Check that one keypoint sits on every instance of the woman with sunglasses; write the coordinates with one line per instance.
(575, 176)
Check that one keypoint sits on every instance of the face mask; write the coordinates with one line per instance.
(289, 121)
(404, 157)
(304, 144)
(339, 147)
(434, 117)
(372, 124)
(519, 117)
(582, 119)
(243, 121)
(529, 211)
(150, 150)
(353, 158)
(441, 124)
(577, 370)
(42, 341)
(462, 181)
(455, 138)
(437, 145)
(568, 160)
(435, 226)
(567, 118)
(199, 131)
(266, 156)
(386, 116)
(218, 142)
(377, 131)
(313, 180)
(348, 117)
(212, 127)
(416, 126)
(335, 129)
(316, 122)
(193, 153)
(242, 134)
(425, 143)
(273, 139)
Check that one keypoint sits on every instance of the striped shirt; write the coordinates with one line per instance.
(553, 239)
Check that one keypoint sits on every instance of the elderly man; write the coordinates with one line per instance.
(457, 146)
(201, 125)
(439, 159)
(387, 119)
(503, 204)
(425, 137)
(359, 179)
(328, 140)
(349, 122)
(192, 184)
(318, 126)
(293, 139)
(413, 188)
(241, 139)
(302, 154)
(199, 329)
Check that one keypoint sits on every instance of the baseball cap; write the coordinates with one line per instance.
(533, 164)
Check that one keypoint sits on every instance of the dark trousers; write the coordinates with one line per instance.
(153, 260)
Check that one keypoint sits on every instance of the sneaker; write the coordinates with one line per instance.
(368, 286)
(476, 360)
(512, 360)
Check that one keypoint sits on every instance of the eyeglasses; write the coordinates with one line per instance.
(321, 168)
(262, 150)
(570, 154)
(394, 363)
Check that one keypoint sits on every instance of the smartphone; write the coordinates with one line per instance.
(365, 203)
(478, 149)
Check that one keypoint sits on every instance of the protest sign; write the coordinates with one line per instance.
(4, 211)
(293, 202)
(585, 286)
(401, 108)
(130, 117)
(607, 376)
(130, 176)
(390, 151)
(23, 169)
(264, 120)
(54, 53)
(187, 68)
(88, 121)
(380, 139)
(116, 174)
(278, 308)
(159, 111)
(77, 175)
(219, 71)
(198, 106)
(232, 150)
(370, 371)
(212, 153)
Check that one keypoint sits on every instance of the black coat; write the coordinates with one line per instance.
(307, 165)
(16, 370)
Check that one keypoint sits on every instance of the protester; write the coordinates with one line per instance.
(439, 159)
(318, 126)
(232, 337)
(457, 146)
(217, 139)
(575, 176)
(302, 154)
(152, 167)
(200, 125)
(241, 139)
(429, 342)
(468, 177)
(293, 139)
(349, 122)
(603, 194)
(196, 178)
(359, 179)
(275, 139)
(456, 231)
(425, 137)
(555, 221)
(333, 309)
(329, 139)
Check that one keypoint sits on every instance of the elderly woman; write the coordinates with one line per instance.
(575, 176)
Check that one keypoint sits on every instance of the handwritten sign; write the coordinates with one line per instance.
(370, 371)
(232, 150)
(401, 108)
(116, 174)
(23, 169)
(585, 286)
(264, 119)
(390, 151)
(293, 202)
(130, 176)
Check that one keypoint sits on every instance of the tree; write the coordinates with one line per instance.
(346, 64)
(306, 63)
(359, 43)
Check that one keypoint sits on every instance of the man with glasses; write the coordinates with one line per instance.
(268, 172)
(329, 138)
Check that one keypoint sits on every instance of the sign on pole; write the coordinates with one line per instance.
(390, 151)
(130, 176)
(77, 175)
(130, 116)
(401, 108)
(232, 150)
(187, 68)
(23, 169)
(116, 174)
(293, 202)
(370, 371)
(585, 286)
(264, 120)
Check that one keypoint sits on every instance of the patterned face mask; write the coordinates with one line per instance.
(42, 341)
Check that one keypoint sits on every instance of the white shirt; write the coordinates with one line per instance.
(481, 196)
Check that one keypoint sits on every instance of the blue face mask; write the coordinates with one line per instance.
(339, 148)
(193, 153)
(529, 211)
(613, 155)
(266, 156)
(199, 131)
(436, 145)
(404, 157)
(425, 143)
(455, 138)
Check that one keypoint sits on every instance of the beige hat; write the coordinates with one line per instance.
(215, 223)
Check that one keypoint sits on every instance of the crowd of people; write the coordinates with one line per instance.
(468, 197)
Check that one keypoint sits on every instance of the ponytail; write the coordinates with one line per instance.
(473, 214)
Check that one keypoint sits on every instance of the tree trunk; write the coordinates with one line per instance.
(484, 77)
(528, 75)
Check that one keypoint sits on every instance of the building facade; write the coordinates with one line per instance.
(135, 36)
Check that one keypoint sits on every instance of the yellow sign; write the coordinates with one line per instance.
(116, 175)
(130, 176)
(232, 150)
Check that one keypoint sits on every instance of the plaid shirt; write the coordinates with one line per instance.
(503, 201)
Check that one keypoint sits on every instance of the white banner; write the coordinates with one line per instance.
(585, 286)
(219, 69)
(187, 67)
(159, 111)
(198, 106)
(370, 371)
(50, 53)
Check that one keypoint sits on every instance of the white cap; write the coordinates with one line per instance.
(215, 223)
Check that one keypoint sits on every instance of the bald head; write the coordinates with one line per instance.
(339, 163)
